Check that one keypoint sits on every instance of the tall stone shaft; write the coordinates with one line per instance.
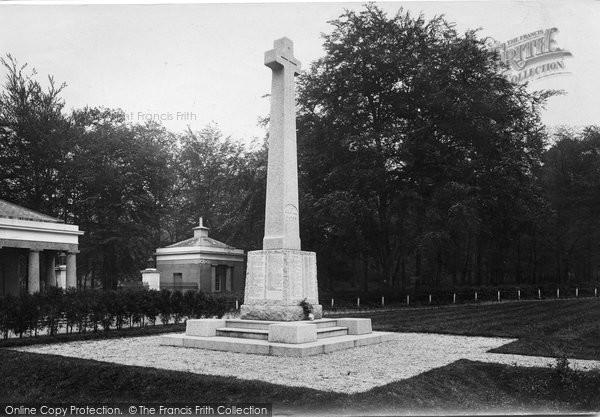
(282, 230)
(280, 276)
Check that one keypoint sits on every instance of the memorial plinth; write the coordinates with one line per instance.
(277, 280)
(273, 338)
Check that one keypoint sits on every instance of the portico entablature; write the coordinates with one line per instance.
(17, 233)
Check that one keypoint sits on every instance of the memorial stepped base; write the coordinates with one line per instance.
(256, 329)
(299, 338)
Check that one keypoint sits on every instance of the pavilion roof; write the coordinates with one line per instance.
(14, 211)
(200, 242)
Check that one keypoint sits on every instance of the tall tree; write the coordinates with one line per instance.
(424, 146)
(118, 188)
(222, 181)
(33, 139)
(571, 180)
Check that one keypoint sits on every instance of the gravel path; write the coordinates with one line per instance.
(350, 371)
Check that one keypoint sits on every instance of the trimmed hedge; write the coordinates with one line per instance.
(82, 311)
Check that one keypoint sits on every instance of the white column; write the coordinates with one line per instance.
(71, 270)
(50, 270)
(34, 271)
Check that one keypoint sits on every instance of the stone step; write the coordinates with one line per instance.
(331, 332)
(325, 323)
(249, 324)
(241, 333)
(264, 325)
(262, 334)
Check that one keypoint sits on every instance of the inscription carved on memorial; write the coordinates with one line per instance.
(255, 287)
(296, 276)
(274, 276)
(291, 213)
(309, 278)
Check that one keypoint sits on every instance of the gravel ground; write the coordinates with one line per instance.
(349, 371)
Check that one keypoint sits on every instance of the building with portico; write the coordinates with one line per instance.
(30, 245)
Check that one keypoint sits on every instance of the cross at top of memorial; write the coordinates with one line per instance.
(282, 56)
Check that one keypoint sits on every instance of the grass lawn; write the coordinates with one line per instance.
(544, 328)
(461, 386)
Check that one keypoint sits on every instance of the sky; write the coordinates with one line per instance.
(195, 64)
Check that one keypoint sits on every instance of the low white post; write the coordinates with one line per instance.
(498, 295)
(518, 294)
(429, 298)
(358, 302)
(595, 292)
(558, 293)
(539, 294)
(151, 278)
(407, 300)
(577, 292)
(475, 295)
(454, 298)
(382, 301)
(332, 303)
(237, 304)
(61, 276)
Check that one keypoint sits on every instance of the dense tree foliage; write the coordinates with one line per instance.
(33, 140)
(117, 189)
(569, 242)
(418, 156)
(223, 181)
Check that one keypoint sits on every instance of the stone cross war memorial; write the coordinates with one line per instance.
(280, 315)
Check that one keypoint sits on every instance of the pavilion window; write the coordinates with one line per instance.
(177, 280)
